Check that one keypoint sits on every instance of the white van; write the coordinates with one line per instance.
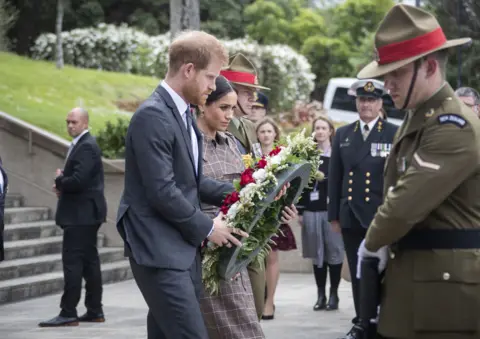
(340, 105)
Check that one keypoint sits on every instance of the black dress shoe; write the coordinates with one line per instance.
(268, 317)
(321, 303)
(59, 321)
(92, 318)
(357, 332)
(333, 302)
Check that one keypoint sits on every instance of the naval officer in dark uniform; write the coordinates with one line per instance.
(356, 171)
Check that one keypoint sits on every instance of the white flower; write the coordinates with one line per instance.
(125, 49)
(232, 211)
(260, 175)
(248, 192)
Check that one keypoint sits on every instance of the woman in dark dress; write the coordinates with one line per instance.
(268, 133)
(320, 241)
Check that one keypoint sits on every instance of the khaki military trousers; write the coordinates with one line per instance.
(257, 279)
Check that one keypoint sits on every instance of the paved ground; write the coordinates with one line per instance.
(126, 311)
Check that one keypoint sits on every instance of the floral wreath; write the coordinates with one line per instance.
(256, 182)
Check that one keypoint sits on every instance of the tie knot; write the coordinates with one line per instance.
(366, 128)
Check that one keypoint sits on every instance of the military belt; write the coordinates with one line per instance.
(440, 239)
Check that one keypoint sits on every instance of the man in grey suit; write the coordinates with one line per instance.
(159, 216)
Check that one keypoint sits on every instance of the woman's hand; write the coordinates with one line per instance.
(288, 214)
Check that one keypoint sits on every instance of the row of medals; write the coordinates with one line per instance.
(380, 149)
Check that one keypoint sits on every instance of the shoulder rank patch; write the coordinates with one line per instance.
(452, 119)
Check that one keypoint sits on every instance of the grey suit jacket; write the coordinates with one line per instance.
(159, 216)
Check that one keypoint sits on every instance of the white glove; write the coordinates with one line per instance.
(381, 254)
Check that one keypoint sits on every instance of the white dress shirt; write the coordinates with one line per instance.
(74, 142)
(371, 124)
(182, 108)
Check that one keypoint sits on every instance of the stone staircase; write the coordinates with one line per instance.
(33, 254)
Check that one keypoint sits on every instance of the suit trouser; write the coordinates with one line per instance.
(80, 260)
(172, 297)
(352, 237)
(258, 281)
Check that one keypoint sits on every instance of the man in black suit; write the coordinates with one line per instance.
(3, 193)
(81, 209)
(159, 216)
(355, 182)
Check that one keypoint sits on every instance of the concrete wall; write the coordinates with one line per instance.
(31, 155)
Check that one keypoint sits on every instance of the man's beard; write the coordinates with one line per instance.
(194, 96)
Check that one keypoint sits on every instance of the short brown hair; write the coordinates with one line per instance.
(330, 125)
(196, 47)
(271, 122)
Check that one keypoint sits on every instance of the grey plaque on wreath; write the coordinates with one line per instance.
(298, 176)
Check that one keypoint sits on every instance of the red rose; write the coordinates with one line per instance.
(224, 209)
(262, 163)
(247, 177)
(275, 151)
(231, 198)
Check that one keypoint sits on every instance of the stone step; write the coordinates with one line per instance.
(13, 200)
(38, 230)
(17, 215)
(31, 230)
(39, 285)
(18, 268)
(32, 247)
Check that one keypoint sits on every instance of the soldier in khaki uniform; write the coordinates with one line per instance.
(242, 75)
(427, 231)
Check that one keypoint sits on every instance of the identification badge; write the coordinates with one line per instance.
(314, 196)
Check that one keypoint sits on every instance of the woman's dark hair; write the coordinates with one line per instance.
(223, 87)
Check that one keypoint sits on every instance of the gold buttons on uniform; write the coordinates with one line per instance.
(367, 182)
(351, 174)
(367, 199)
(349, 198)
(367, 174)
(350, 189)
(392, 255)
(367, 190)
(350, 181)
(446, 276)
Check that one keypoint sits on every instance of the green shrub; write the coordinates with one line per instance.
(111, 138)
(124, 49)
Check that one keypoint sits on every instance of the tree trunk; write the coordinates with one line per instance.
(58, 30)
(184, 15)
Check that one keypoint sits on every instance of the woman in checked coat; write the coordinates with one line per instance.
(231, 313)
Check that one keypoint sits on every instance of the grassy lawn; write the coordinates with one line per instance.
(37, 92)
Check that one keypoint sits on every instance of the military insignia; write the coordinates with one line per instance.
(255, 96)
(429, 113)
(454, 119)
(374, 149)
(369, 87)
(380, 126)
(356, 126)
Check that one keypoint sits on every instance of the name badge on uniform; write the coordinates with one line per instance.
(314, 196)
(345, 143)
(380, 149)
